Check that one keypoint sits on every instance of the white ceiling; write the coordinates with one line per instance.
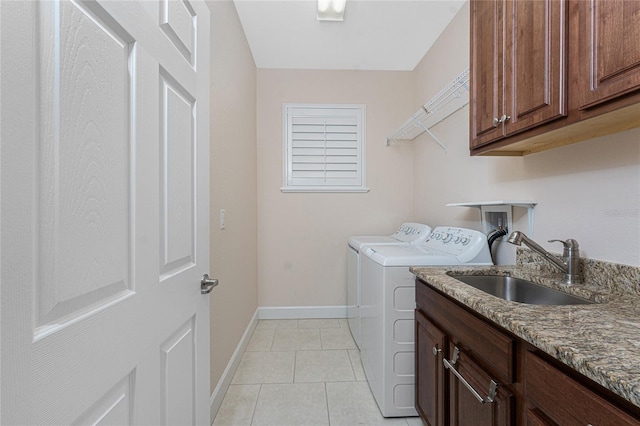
(375, 34)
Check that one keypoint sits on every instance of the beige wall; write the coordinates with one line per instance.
(588, 191)
(233, 184)
(289, 249)
(302, 237)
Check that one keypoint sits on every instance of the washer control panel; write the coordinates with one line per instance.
(457, 241)
(414, 233)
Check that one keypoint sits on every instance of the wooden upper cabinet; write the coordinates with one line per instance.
(487, 36)
(518, 66)
(609, 54)
(535, 89)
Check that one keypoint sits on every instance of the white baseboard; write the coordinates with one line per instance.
(225, 380)
(302, 312)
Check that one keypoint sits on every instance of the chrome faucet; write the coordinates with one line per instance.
(570, 263)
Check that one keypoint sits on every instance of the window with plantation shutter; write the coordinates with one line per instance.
(324, 148)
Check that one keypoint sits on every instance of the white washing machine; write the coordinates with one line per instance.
(387, 309)
(407, 233)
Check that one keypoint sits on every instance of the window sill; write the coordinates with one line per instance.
(325, 189)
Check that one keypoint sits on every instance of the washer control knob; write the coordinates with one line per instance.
(446, 238)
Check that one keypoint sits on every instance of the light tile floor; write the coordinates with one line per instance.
(302, 372)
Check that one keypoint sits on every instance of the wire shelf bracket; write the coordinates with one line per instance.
(449, 100)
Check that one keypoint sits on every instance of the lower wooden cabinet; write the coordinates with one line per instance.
(554, 398)
(495, 378)
(431, 343)
(464, 366)
(475, 398)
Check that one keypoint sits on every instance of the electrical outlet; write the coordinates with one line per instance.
(222, 213)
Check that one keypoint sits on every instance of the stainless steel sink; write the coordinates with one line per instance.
(519, 290)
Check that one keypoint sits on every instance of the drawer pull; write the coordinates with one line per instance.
(436, 350)
(493, 387)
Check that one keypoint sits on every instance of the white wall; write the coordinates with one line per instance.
(302, 237)
(589, 191)
(233, 184)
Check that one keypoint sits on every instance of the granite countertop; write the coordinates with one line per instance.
(601, 341)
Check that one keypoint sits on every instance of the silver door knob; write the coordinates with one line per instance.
(207, 284)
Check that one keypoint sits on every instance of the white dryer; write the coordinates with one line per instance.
(407, 233)
(387, 309)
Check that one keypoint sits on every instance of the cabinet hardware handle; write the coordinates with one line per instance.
(501, 120)
(435, 350)
(493, 387)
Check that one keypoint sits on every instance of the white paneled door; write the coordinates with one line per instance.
(104, 212)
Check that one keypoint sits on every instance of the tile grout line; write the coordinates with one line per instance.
(272, 340)
(353, 370)
(326, 400)
(253, 414)
(295, 361)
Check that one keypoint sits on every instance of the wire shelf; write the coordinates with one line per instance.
(450, 99)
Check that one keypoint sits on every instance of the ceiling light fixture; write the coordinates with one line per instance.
(331, 10)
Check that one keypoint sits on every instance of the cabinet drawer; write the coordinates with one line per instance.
(464, 407)
(565, 401)
(489, 346)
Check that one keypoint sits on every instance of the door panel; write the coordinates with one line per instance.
(114, 408)
(84, 177)
(177, 233)
(178, 21)
(178, 388)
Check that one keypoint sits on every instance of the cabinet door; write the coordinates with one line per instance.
(430, 378)
(535, 62)
(487, 37)
(609, 49)
(546, 386)
(464, 407)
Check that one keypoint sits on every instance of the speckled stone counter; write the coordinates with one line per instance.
(601, 341)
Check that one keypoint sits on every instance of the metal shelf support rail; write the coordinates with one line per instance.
(450, 99)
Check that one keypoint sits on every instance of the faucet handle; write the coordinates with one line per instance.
(571, 249)
(569, 244)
